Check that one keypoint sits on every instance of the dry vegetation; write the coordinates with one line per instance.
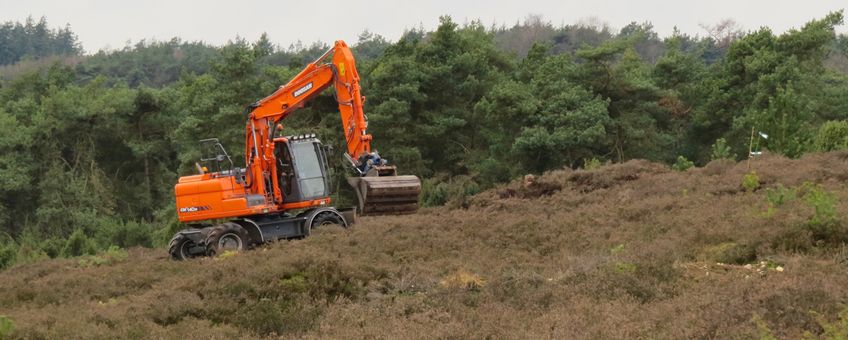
(633, 250)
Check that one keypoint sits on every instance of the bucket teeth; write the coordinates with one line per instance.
(386, 195)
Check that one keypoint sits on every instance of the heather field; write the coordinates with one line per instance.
(632, 250)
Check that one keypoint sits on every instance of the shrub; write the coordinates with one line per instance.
(463, 279)
(126, 235)
(491, 171)
(269, 317)
(168, 225)
(27, 253)
(624, 267)
(682, 164)
(720, 150)
(762, 328)
(433, 193)
(295, 283)
(112, 255)
(78, 244)
(591, 164)
(8, 254)
(455, 191)
(52, 246)
(823, 204)
(294, 301)
(837, 329)
(832, 135)
(824, 223)
(777, 197)
(730, 253)
(31, 246)
(751, 181)
(6, 327)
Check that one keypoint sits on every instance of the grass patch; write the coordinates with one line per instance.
(730, 253)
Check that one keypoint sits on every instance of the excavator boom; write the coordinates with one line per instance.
(378, 188)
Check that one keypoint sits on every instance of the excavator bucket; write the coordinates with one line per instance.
(384, 193)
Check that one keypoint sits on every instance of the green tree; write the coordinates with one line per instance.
(263, 47)
(720, 150)
(427, 91)
(772, 83)
(678, 73)
(16, 167)
(369, 46)
(615, 72)
(35, 40)
(570, 125)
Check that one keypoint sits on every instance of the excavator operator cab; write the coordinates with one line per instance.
(302, 169)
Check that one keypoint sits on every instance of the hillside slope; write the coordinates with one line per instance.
(627, 250)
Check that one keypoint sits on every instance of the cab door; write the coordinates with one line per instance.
(303, 171)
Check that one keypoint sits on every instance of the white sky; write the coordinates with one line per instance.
(111, 23)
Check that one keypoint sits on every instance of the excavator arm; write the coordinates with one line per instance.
(315, 78)
(377, 185)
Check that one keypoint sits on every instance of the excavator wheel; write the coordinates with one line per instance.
(327, 219)
(226, 237)
(179, 247)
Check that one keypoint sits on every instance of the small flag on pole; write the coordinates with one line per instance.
(764, 135)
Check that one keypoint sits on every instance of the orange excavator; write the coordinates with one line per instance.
(284, 189)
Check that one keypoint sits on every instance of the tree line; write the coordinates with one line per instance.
(34, 40)
(90, 149)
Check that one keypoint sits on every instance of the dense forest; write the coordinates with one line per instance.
(92, 144)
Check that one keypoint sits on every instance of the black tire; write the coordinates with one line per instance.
(327, 219)
(226, 237)
(179, 246)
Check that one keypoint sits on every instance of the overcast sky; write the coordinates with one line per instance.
(111, 23)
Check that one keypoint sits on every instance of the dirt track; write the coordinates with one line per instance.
(629, 250)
